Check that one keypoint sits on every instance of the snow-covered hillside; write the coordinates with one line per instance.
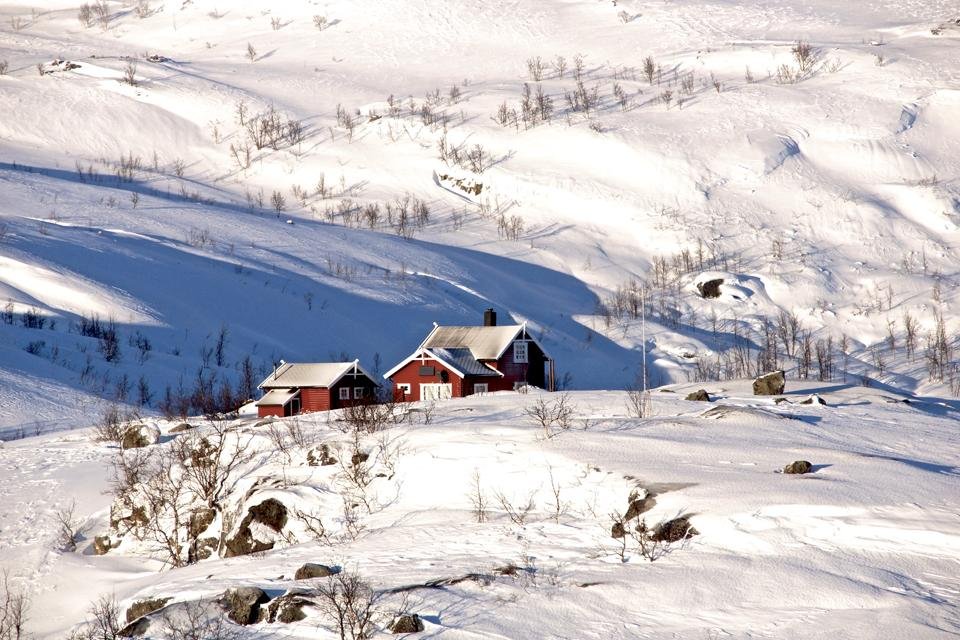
(865, 546)
(820, 183)
(192, 190)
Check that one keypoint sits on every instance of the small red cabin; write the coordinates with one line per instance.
(453, 362)
(316, 386)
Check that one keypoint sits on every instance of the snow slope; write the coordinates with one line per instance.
(866, 546)
(835, 197)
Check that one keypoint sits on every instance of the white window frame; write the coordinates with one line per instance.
(358, 393)
(481, 387)
(405, 388)
(521, 352)
(344, 393)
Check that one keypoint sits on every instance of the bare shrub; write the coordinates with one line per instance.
(535, 68)
(4, 65)
(14, 605)
(804, 54)
(518, 513)
(193, 621)
(130, 74)
(320, 22)
(251, 53)
(368, 417)
(103, 622)
(110, 427)
(101, 12)
(547, 414)
(69, 529)
(350, 604)
(85, 15)
(478, 498)
(638, 401)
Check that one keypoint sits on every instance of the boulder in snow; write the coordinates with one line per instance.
(699, 395)
(407, 623)
(673, 530)
(141, 608)
(288, 607)
(770, 384)
(101, 545)
(320, 456)
(243, 604)
(313, 570)
(138, 436)
(710, 288)
(798, 467)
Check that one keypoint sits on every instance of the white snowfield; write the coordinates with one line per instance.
(865, 546)
(409, 186)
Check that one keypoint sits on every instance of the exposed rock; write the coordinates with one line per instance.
(813, 399)
(798, 467)
(769, 384)
(125, 517)
(320, 457)
(673, 530)
(180, 428)
(271, 513)
(141, 608)
(639, 505)
(699, 396)
(710, 288)
(313, 570)
(200, 519)
(202, 548)
(139, 436)
(780, 400)
(137, 628)
(101, 545)
(243, 604)
(288, 607)
(359, 457)
(407, 623)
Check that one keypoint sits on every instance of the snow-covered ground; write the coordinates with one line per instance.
(822, 189)
(834, 198)
(866, 546)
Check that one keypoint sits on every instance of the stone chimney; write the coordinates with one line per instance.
(490, 318)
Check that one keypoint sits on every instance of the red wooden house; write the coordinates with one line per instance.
(453, 362)
(316, 386)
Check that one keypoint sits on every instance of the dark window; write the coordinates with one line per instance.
(428, 371)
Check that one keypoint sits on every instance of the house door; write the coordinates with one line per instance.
(436, 391)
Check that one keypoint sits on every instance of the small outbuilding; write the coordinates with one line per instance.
(295, 388)
(453, 362)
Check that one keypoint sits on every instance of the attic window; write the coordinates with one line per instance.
(520, 352)
(344, 393)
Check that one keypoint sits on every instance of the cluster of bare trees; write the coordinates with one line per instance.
(159, 491)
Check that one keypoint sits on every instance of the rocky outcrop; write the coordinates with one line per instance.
(271, 513)
(141, 608)
(407, 623)
(699, 395)
(770, 384)
(138, 436)
(288, 607)
(320, 457)
(710, 288)
(101, 545)
(798, 467)
(313, 570)
(243, 604)
(673, 530)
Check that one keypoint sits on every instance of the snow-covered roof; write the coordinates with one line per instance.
(463, 361)
(485, 343)
(311, 374)
(276, 397)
